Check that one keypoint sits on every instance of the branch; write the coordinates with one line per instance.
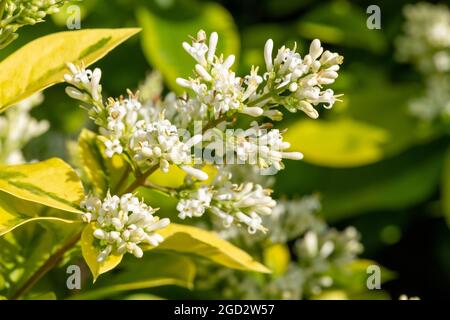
(140, 180)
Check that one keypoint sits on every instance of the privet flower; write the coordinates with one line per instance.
(122, 224)
(426, 44)
(239, 204)
(15, 14)
(318, 250)
(148, 137)
(290, 80)
(436, 101)
(426, 38)
(17, 128)
(263, 147)
(157, 133)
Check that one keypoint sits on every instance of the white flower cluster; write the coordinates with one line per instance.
(86, 84)
(436, 101)
(426, 41)
(426, 44)
(330, 245)
(155, 133)
(319, 252)
(232, 203)
(17, 128)
(122, 224)
(263, 147)
(290, 80)
(149, 138)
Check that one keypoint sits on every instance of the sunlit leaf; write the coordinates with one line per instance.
(154, 269)
(339, 143)
(175, 177)
(90, 253)
(277, 258)
(41, 63)
(198, 242)
(52, 183)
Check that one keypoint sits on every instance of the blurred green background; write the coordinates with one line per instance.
(374, 165)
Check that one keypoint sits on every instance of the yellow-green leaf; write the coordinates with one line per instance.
(90, 253)
(154, 269)
(162, 38)
(195, 241)
(41, 63)
(175, 177)
(15, 212)
(52, 183)
(339, 143)
(277, 258)
(92, 161)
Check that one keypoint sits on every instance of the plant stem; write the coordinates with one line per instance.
(264, 97)
(213, 123)
(167, 190)
(141, 179)
(46, 267)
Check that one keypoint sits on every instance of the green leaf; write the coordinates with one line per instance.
(92, 162)
(154, 269)
(162, 39)
(446, 186)
(338, 143)
(90, 253)
(198, 242)
(41, 63)
(341, 23)
(52, 183)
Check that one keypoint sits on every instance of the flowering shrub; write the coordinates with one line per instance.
(215, 174)
(159, 134)
(196, 135)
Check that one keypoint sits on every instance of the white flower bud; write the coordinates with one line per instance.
(213, 38)
(268, 48)
(196, 173)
